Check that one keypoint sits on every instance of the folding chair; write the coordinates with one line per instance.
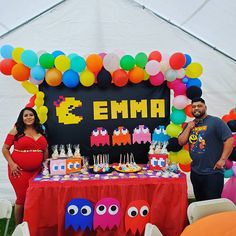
(152, 230)
(197, 210)
(5, 212)
(21, 230)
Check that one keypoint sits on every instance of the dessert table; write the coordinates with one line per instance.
(47, 198)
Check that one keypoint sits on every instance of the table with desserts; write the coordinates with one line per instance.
(48, 195)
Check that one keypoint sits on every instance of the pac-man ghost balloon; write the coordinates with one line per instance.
(79, 214)
(107, 214)
(137, 216)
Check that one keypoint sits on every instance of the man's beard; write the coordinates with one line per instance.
(199, 115)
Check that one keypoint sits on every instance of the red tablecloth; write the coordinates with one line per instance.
(46, 202)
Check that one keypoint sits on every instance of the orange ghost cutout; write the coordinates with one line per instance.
(137, 216)
(121, 136)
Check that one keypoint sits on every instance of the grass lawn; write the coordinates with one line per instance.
(11, 225)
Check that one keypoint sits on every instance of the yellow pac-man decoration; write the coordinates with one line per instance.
(63, 111)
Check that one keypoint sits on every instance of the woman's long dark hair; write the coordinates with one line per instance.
(20, 125)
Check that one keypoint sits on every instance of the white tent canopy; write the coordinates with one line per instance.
(94, 26)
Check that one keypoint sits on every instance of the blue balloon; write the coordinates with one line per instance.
(6, 51)
(29, 58)
(194, 82)
(228, 173)
(37, 73)
(185, 80)
(57, 53)
(70, 78)
(188, 60)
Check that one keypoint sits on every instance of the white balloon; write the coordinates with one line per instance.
(111, 62)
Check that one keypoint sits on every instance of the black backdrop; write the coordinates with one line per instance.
(59, 133)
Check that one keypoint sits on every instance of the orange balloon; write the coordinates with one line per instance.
(94, 62)
(20, 72)
(188, 110)
(185, 168)
(136, 75)
(53, 77)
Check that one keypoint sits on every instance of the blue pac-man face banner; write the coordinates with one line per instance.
(113, 120)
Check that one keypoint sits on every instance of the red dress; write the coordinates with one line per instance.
(28, 155)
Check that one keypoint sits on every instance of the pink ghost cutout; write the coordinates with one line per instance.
(99, 137)
(141, 134)
(107, 214)
(58, 167)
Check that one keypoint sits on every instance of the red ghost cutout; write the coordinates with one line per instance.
(137, 216)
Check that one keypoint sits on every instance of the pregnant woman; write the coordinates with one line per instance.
(30, 150)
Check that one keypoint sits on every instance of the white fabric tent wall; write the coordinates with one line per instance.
(95, 26)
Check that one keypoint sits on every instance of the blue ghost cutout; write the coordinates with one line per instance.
(159, 134)
(79, 213)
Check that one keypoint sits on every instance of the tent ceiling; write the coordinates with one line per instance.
(15, 13)
(212, 21)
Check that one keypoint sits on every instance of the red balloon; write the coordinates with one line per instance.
(226, 118)
(6, 66)
(155, 55)
(177, 60)
(232, 113)
(120, 78)
(188, 110)
(185, 168)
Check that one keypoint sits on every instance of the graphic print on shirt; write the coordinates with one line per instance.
(197, 139)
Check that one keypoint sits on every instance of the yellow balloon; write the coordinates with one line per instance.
(172, 156)
(173, 130)
(184, 157)
(30, 88)
(146, 75)
(87, 78)
(40, 94)
(62, 63)
(16, 54)
(43, 110)
(39, 102)
(193, 70)
(42, 118)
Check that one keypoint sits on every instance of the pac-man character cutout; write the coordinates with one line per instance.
(159, 134)
(99, 137)
(137, 216)
(141, 134)
(107, 214)
(64, 107)
(79, 214)
(121, 136)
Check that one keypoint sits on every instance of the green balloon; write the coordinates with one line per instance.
(178, 117)
(127, 62)
(141, 59)
(46, 60)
